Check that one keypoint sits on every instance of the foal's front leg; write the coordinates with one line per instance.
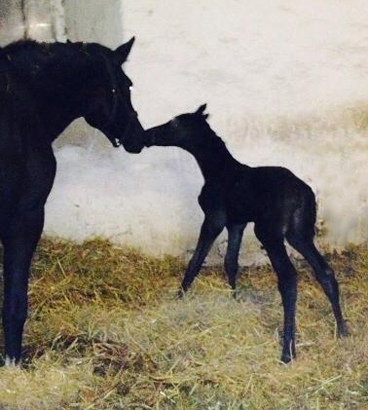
(19, 243)
(211, 228)
(232, 253)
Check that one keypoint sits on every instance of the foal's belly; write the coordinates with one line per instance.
(260, 205)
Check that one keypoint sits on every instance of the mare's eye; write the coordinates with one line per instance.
(113, 90)
(131, 88)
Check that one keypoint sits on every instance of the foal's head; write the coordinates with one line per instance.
(188, 131)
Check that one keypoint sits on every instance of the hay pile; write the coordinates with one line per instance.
(105, 332)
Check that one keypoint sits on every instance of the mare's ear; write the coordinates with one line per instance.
(201, 111)
(123, 51)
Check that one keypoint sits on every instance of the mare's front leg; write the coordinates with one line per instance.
(232, 253)
(212, 226)
(19, 243)
(287, 283)
(20, 239)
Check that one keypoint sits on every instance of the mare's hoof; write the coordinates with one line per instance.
(12, 363)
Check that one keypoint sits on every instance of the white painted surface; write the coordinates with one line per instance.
(286, 82)
(11, 24)
(94, 21)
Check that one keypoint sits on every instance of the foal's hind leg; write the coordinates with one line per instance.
(324, 274)
(232, 253)
(273, 242)
(212, 226)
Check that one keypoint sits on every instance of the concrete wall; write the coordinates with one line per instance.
(286, 82)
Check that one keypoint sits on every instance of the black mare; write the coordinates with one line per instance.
(43, 88)
(280, 204)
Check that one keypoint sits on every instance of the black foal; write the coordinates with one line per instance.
(280, 204)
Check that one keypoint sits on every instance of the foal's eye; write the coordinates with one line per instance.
(113, 90)
(131, 88)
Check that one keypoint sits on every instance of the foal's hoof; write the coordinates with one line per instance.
(288, 354)
(180, 294)
(235, 295)
(287, 358)
(343, 332)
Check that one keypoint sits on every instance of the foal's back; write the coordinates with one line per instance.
(264, 193)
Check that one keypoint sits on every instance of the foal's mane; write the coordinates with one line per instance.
(215, 139)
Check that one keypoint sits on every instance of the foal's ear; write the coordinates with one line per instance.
(122, 52)
(201, 111)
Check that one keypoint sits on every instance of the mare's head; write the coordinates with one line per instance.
(80, 80)
(108, 105)
(188, 131)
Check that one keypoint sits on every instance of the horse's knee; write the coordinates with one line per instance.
(15, 309)
(231, 265)
(287, 285)
(326, 276)
(16, 314)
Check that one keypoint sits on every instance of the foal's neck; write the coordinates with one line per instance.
(213, 158)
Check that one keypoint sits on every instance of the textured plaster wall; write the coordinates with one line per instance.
(286, 83)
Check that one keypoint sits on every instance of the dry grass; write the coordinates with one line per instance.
(105, 332)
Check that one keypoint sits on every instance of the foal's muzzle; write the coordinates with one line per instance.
(150, 137)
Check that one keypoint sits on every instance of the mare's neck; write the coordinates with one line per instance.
(55, 74)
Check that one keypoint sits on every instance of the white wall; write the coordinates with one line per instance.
(41, 20)
(286, 82)
(11, 25)
(94, 20)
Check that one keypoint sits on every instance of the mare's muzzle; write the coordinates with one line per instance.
(133, 137)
